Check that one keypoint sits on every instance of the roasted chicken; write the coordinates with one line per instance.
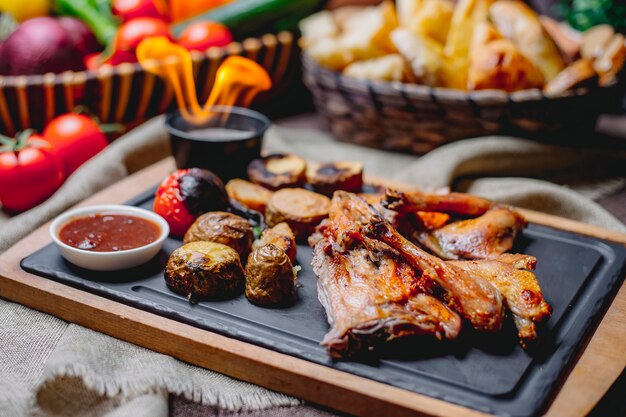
(489, 231)
(371, 294)
(376, 285)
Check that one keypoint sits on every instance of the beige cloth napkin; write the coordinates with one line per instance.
(49, 367)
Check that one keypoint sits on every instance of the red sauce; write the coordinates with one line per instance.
(109, 232)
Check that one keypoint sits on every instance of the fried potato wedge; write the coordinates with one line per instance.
(432, 20)
(422, 54)
(251, 195)
(301, 209)
(385, 68)
(578, 74)
(519, 23)
(495, 63)
(366, 33)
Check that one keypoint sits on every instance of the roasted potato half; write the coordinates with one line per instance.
(205, 270)
(301, 209)
(270, 277)
(281, 236)
(251, 195)
(278, 171)
(330, 177)
(225, 228)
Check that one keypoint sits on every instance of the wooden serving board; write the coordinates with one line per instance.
(596, 369)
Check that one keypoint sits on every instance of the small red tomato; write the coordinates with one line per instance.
(75, 139)
(186, 194)
(30, 172)
(131, 33)
(132, 9)
(201, 36)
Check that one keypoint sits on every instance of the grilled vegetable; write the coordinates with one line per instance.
(186, 194)
(251, 195)
(225, 228)
(280, 236)
(278, 171)
(270, 277)
(249, 17)
(301, 209)
(330, 177)
(204, 270)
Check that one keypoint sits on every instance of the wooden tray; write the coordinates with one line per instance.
(598, 367)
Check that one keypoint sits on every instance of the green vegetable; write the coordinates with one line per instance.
(92, 12)
(585, 14)
(250, 17)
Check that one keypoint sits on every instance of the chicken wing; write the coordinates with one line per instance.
(490, 233)
(469, 294)
(451, 203)
(519, 288)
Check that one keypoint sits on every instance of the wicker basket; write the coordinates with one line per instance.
(416, 119)
(126, 93)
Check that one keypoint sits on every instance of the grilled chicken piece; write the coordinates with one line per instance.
(489, 234)
(519, 288)
(451, 203)
(370, 293)
(485, 237)
(370, 303)
(472, 296)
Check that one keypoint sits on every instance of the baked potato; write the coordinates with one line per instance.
(278, 171)
(225, 228)
(330, 177)
(251, 195)
(301, 209)
(205, 270)
(280, 236)
(270, 277)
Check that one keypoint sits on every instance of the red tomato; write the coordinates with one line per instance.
(170, 204)
(75, 138)
(131, 33)
(132, 9)
(29, 174)
(201, 36)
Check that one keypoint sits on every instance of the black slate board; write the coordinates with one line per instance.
(488, 372)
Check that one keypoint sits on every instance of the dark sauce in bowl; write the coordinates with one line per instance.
(109, 232)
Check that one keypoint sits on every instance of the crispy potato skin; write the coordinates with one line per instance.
(301, 209)
(278, 171)
(251, 195)
(205, 270)
(225, 228)
(280, 236)
(270, 277)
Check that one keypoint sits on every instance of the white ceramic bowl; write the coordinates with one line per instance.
(109, 261)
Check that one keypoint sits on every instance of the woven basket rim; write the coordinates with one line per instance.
(234, 48)
(441, 94)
